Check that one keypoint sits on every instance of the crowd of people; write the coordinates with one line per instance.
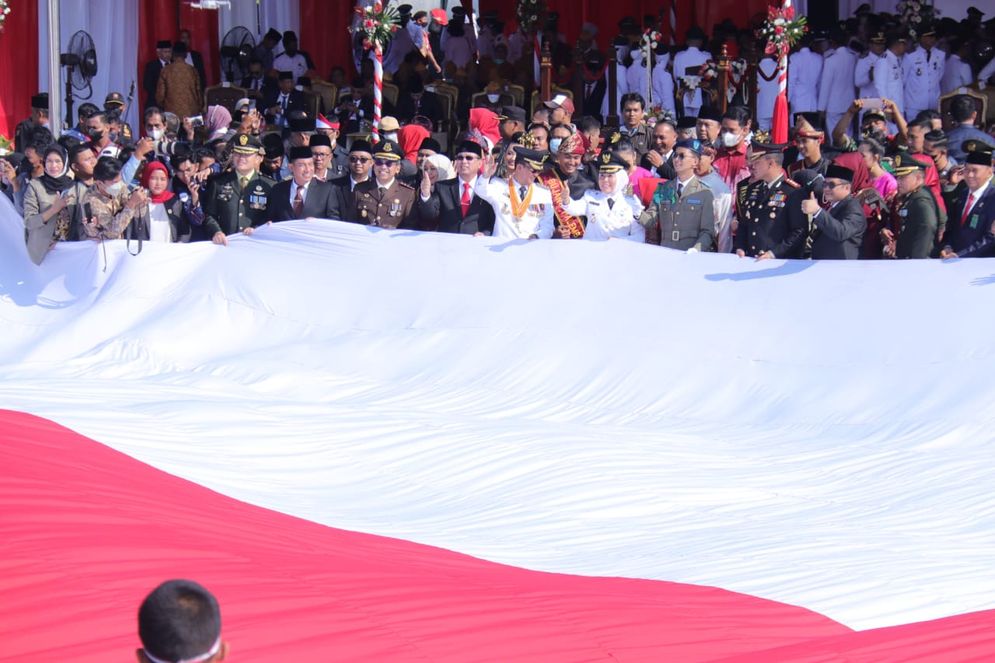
(872, 169)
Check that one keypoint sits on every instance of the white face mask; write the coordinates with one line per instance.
(114, 190)
(156, 134)
(730, 139)
(392, 136)
(554, 144)
(493, 98)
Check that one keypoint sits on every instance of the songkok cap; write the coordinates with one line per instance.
(289, 35)
(467, 146)
(974, 11)
(300, 122)
(387, 149)
(687, 122)
(561, 101)
(360, 146)
(905, 164)
(512, 113)
(530, 158)
(610, 162)
(299, 152)
(40, 101)
(273, 34)
(286, 76)
(164, 43)
(430, 143)
(838, 172)
(404, 10)
(320, 140)
(273, 146)
(246, 144)
(692, 144)
(978, 152)
(710, 113)
(389, 123)
(113, 99)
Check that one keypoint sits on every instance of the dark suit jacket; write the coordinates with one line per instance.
(839, 232)
(978, 223)
(341, 201)
(316, 203)
(198, 63)
(150, 80)
(295, 102)
(428, 106)
(591, 103)
(444, 211)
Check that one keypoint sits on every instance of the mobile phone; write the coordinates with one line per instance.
(872, 103)
(197, 120)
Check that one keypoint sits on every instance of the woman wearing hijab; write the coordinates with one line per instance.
(610, 212)
(217, 121)
(49, 205)
(167, 220)
(438, 167)
(410, 138)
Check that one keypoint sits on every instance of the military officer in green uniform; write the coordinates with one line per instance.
(765, 229)
(235, 201)
(680, 216)
(384, 200)
(917, 215)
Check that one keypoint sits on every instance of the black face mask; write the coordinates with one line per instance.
(96, 135)
(877, 135)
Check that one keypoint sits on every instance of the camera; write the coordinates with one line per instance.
(197, 121)
(171, 148)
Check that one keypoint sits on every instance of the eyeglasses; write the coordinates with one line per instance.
(832, 185)
(359, 159)
(464, 157)
(679, 156)
(383, 162)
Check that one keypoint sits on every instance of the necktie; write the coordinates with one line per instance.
(283, 102)
(521, 192)
(299, 202)
(967, 208)
(465, 200)
(383, 192)
(243, 182)
(680, 190)
(611, 203)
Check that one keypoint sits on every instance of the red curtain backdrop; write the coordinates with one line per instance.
(18, 65)
(606, 15)
(163, 19)
(323, 34)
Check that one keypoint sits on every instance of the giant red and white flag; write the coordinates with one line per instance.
(385, 445)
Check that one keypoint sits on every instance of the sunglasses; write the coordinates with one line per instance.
(383, 162)
(359, 159)
(464, 157)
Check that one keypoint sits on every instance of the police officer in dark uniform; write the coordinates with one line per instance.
(383, 200)
(235, 201)
(764, 229)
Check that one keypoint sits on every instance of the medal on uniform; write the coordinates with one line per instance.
(395, 208)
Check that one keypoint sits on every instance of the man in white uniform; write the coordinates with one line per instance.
(804, 70)
(523, 208)
(692, 56)
(836, 88)
(663, 84)
(621, 46)
(766, 91)
(923, 72)
(957, 72)
(889, 77)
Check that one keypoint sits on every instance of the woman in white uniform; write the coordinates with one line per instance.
(610, 211)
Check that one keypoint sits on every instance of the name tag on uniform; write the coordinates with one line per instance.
(974, 220)
(694, 201)
(903, 213)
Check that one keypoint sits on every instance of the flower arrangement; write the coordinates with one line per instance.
(651, 39)
(4, 10)
(916, 15)
(6, 145)
(530, 14)
(657, 114)
(377, 24)
(782, 30)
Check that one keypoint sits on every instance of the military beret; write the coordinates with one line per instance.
(692, 144)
